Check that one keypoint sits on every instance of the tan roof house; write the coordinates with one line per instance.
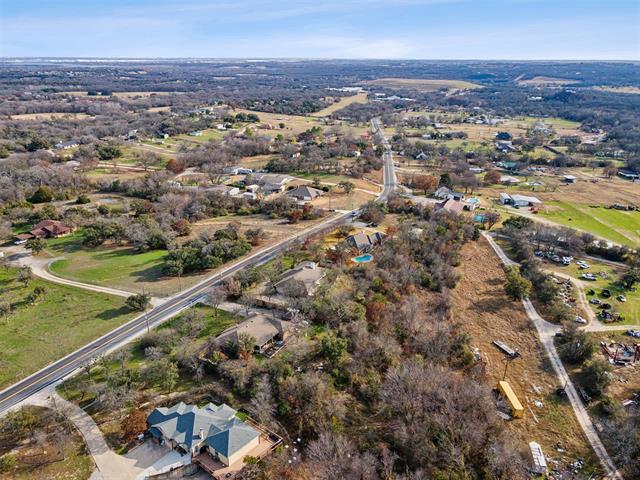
(264, 329)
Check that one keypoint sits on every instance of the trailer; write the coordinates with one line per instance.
(539, 462)
(506, 349)
(517, 410)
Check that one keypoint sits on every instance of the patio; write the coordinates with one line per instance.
(219, 471)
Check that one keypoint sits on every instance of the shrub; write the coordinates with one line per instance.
(516, 286)
(43, 194)
(575, 346)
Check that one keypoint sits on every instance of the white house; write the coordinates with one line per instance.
(518, 200)
(509, 180)
(227, 190)
(236, 170)
(66, 145)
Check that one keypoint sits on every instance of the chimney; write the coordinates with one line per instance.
(201, 434)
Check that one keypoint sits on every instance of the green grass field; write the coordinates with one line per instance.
(117, 267)
(615, 225)
(554, 121)
(215, 321)
(630, 309)
(63, 319)
(207, 135)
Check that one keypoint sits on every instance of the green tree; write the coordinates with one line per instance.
(43, 194)
(25, 275)
(36, 245)
(108, 152)
(245, 345)
(630, 278)
(139, 302)
(7, 463)
(445, 180)
(516, 286)
(333, 348)
(35, 295)
(596, 377)
(83, 199)
(575, 346)
(37, 143)
(162, 372)
(346, 186)
(5, 310)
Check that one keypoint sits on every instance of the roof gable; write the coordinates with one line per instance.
(218, 423)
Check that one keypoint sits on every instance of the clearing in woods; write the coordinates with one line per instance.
(486, 314)
(627, 89)
(343, 102)
(50, 116)
(542, 81)
(423, 85)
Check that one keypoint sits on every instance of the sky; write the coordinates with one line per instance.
(358, 29)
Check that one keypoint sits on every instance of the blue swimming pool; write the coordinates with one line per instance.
(473, 200)
(367, 257)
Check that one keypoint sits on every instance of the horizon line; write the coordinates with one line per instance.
(5, 58)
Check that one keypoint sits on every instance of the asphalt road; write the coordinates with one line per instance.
(58, 370)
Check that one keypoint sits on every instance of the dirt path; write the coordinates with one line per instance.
(546, 333)
(582, 298)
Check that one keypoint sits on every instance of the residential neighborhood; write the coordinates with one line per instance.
(305, 241)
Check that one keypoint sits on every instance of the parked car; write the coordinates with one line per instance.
(594, 301)
(588, 276)
(621, 298)
(634, 333)
(567, 260)
(605, 293)
(580, 319)
(582, 264)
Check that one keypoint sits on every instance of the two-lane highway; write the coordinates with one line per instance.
(129, 331)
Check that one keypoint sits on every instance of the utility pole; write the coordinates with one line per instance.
(506, 365)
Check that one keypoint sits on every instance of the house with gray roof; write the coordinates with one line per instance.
(363, 242)
(212, 429)
(305, 193)
(303, 280)
(264, 329)
(269, 182)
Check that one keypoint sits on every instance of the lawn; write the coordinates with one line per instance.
(207, 135)
(62, 320)
(618, 226)
(116, 267)
(215, 321)
(630, 309)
